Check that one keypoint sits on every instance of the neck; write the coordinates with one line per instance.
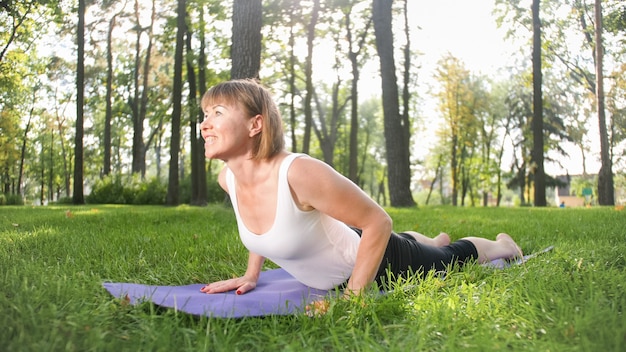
(249, 171)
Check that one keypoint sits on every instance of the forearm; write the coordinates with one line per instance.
(255, 264)
(374, 239)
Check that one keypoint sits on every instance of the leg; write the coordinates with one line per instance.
(438, 241)
(503, 247)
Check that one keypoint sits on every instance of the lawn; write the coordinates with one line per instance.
(53, 261)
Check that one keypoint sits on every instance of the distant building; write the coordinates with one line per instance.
(563, 195)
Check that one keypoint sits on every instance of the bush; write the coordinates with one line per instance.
(215, 193)
(11, 199)
(112, 190)
(65, 201)
(151, 192)
(108, 190)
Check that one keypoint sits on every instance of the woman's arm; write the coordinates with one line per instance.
(242, 284)
(316, 185)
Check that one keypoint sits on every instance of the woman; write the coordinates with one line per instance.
(306, 217)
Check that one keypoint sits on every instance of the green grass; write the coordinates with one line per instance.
(52, 267)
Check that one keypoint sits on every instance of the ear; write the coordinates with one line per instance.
(256, 125)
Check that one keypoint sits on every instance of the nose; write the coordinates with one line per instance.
(204, 125)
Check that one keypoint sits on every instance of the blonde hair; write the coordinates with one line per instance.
(255, 100)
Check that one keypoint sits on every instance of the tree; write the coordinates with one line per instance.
(181, 28)
(537, 123)
(199, 183)
(78, 196)
(18, 21)
(308, 76)
(246, 39)
(456, 103)
(399, 172)
(355, 48)
(606, 191)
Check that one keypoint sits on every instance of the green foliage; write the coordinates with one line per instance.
(215, 193)
(64, 200)
(151, 192)
(108, 190)
(113, 190)
(579, 183)
(11, 199)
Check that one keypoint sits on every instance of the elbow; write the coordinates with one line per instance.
(386, 223)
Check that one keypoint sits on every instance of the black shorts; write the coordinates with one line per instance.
(405, 255)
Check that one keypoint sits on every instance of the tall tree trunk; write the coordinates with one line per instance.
(51, 173)
(137, 148)
(399, 172)
(201, 189)
(23, 150)
(353, 55)
(78, 196)
(537, 123)
(143, 105)
(606, 191)
(308, 73)
(353, 165)
(292, 78)
(42, 175)
(196, 149)
(432, 183)
(245, 51)
(406, 81)
(174, 182)
(108, 116)
(66, 168)
(454, 167)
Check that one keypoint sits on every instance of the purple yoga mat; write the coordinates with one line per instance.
(277, 293)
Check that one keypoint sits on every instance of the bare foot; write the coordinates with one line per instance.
(442, 239)
(514, 249)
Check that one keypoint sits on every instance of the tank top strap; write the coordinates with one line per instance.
(286, 163)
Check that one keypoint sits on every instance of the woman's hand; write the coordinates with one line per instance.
(241, 284)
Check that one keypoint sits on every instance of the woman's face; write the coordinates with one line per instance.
(226, 131)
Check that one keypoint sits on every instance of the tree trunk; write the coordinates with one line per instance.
(454, 167)
(108, 116)
(353, 164)
(308, 73)
(197, 161)
(406, 81)
(353, 55)
(23, 150)
(537, 123)
(201, 197)
(66, 168)
(137, 148)
(399, 173)
(143, 107)
(292, 79)
(78, 196)
(173, 183)
(606, 191)
(246, 46)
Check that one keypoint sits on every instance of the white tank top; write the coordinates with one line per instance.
(316, 249)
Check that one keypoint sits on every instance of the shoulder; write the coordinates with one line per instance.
(311, 179)
(306, 169)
